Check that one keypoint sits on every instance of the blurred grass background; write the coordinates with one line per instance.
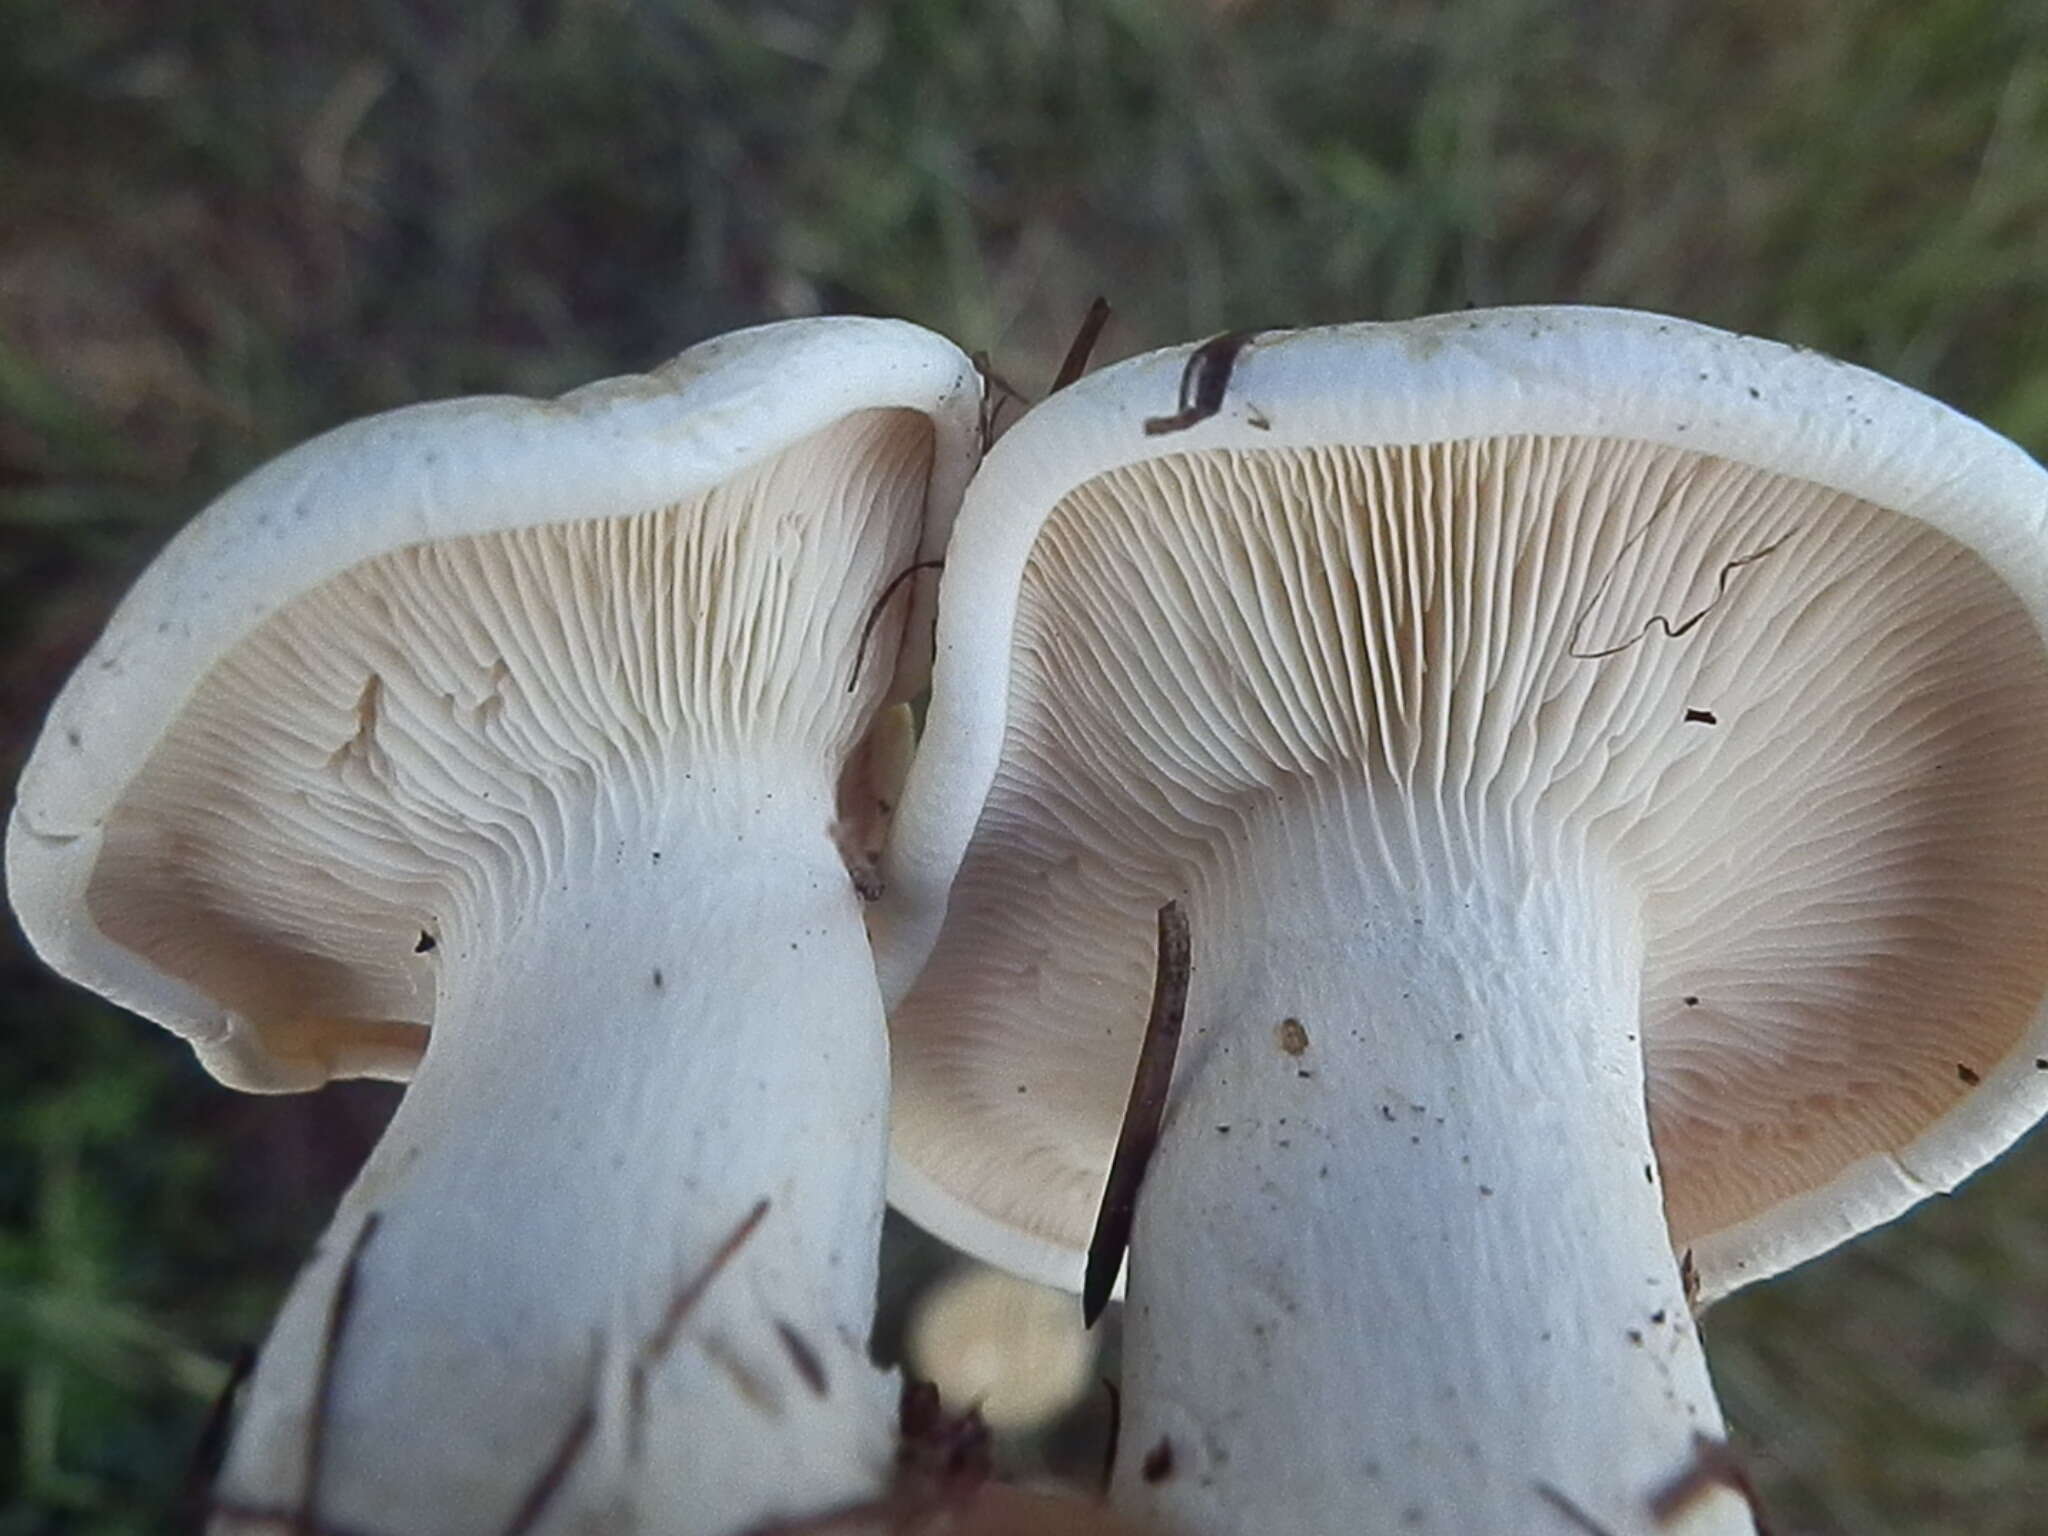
(231, 223)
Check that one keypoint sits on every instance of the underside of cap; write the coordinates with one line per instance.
(492, 629)
(1801, 724)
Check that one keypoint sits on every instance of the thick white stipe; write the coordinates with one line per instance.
(1406, 1200)
(620, 1076)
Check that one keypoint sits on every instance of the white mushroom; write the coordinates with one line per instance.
(1010, 1347)
(497, 743)
(1602, 761)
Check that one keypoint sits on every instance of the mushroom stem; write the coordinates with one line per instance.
(626, 1214)
(1400, 1262)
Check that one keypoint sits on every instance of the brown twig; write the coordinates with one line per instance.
(555, 1473)
(1203, 382)
(919, 1410)
(867, 630)
(680, 1305)
(210, 1449)
(654, 1349)
(804, 1358)
(952, 1452)
(992, 398)
(1076, 361)
(1713, 1465)
(338, 1310)
(1143, 1113)
(1567, 1506)
(1116, 1432)
(1658, 620)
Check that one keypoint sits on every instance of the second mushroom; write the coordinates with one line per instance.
(525, 749)
(1601, 759)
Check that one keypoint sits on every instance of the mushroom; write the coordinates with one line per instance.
(1013, 1348)
(1602, 763)
(508, 746)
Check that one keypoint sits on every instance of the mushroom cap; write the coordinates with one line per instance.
(1516, 555)
(1015, 1349)
(385, 488)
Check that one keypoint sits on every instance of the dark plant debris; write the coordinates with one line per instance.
(1143, 1113)
(1203, 383)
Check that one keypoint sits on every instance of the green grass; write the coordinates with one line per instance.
(229, 226)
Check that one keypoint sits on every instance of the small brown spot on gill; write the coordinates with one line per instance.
(1689, 1278)
(426, 943)
(1691, 1000)
(1292, 1037)
(1157, 1466)
(2041, 1063)
(362, 742)
(1700, 717)
(1968, 1075)
(804, 1358)
(657, 978)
